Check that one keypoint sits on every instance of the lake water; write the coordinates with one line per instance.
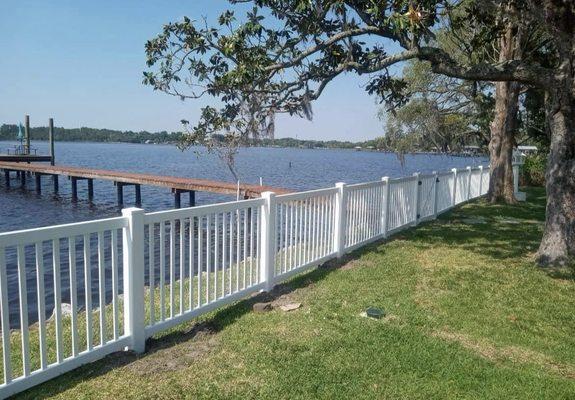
(297, 169)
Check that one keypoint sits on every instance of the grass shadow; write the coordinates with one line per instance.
(500, 231)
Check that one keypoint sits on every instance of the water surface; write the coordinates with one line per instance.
(292, 168)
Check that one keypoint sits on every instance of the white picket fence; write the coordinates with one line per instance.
(130, 277)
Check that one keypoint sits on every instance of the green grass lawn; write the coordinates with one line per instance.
(468, 316)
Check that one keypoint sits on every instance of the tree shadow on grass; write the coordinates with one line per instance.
(561, 273)
(500, 231)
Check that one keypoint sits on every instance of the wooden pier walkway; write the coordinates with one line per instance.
(178, 185)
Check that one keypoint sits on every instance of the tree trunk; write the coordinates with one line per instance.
(558, 242)
(504, 124)
(502, 141)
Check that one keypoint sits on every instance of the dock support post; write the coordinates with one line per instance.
(120, 193)
(74, 188)
(90, 189)
(22, 179)
(7, 177)
(38, 178)
(177, 198)
(55, 181)
(193, 199)
(51, 139)
(27, 133)
(138, 195)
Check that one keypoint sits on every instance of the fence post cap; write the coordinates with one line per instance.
(385, 178)
(132, 210)
(340, 184)
(267, 195)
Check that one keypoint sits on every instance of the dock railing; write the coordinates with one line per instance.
(110, 284)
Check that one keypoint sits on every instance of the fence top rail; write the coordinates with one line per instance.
(201, 211)
(464, 169)
(403, 179)
(34, 235)
(365, 185)
(427, 176)
(306, 195)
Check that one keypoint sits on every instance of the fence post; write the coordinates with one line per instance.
(385, 210)
(480, 180)
(133, 267)
(416, 200)
(515, 179)
(267, 239)
(340, 208)
(454, 187)
(468, 183)
(435, 182)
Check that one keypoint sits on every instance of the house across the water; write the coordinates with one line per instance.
(527, 149)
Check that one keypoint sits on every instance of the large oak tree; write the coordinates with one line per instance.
(285, 52)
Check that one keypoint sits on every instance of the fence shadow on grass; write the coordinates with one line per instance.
(212, 322)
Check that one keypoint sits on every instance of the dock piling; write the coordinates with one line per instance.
(22, 179)
(51, 139)
(177, 198)
(55, 181)
(7, 177)
(192, 198)
(38, 178)
(90, 189)
(27, 133)
(120, 193)
(138, 195)
(74, 188)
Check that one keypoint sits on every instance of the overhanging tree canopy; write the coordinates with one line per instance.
(285, 52)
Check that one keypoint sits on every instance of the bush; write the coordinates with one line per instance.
(533, 171)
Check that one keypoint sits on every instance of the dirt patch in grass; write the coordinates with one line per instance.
(351, 265)
(514, 354)
(429, 287)
(452, 259)
(166, 355)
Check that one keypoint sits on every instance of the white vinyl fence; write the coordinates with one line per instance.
(110, 284)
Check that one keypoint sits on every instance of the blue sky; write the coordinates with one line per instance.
(81, 62)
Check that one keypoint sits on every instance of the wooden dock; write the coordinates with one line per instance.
(178, 185)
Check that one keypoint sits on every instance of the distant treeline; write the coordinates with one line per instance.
(10, 132)
(310, 144)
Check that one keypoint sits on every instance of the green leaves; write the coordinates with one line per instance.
(279, 56)
(226, 18)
